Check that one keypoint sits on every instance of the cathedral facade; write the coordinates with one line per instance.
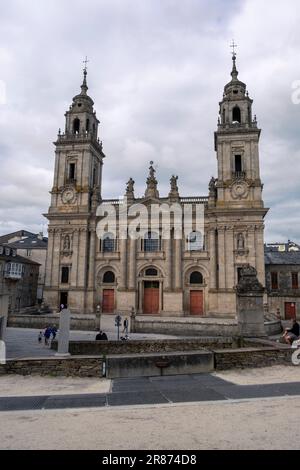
(175, 272)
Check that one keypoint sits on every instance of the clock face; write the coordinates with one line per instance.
(68, 196)
(240, 190)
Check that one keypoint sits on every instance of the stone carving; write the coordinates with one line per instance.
(151, 190)
(212, 188)
(248, 282)
(67, 243)
(130, 189)
(240, 242)
(240, 190)
(174, 193)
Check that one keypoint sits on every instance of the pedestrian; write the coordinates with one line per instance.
(40, 337)
(125, 325)
(54, 332)
(292, 334)
(101, 336)
(47, 335)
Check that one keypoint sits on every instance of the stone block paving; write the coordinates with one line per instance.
(155, 390)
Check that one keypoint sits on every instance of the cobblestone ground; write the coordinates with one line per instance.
(23, 342)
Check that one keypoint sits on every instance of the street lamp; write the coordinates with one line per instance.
(98, 315)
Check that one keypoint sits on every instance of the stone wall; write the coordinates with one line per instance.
(70, 366)
(78, 322)
(147, 346)
(180, 328)
(251, 357)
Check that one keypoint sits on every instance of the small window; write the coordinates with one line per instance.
(236, 115)
(76, 126)
(64, 275)
(72, 171)
(87, 127)
(295, 281)
(238, 163)
(274, 281)
(196, 278)
(151, 272)
(109, 277)
(235, 92)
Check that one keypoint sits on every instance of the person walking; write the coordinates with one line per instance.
(125, 325)
(47, 335)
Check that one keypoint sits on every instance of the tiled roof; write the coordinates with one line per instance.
(278, 257)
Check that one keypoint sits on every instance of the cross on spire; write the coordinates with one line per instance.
(233, 47)
(86, 61)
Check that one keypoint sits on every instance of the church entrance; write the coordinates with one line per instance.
(64, 299)
(151, 297)
(196, 302)
(108, 301)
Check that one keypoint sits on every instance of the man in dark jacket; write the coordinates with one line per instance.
(292, 334)
(101, 336)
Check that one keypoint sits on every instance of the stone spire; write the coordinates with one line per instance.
(84, 87)
(151, 191)
(234, 72)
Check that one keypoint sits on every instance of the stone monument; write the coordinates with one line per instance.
(64, 333)
(250, 304)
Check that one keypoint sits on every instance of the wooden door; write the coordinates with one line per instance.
(196, 302)
(290, 310)
(151, 298)
(108, 302)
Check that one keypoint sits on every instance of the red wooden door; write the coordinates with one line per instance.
(290, 310)
(196, 302)
(108, 302)
(151, 299)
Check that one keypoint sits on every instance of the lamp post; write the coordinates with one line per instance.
(98, 314)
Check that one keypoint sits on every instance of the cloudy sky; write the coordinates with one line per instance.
(156, 73)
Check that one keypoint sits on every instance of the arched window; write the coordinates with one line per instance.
(76, 126)
(87, 126)
(108, 243)
(151, 272)
(109, 277)
(236, 114)
(196, 278)
(195, 241)
(151, 242)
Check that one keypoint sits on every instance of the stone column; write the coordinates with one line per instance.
(92, 255)
(221, 257)
(251, 246)
(229, 246)
(132, 264)
(64, 333)
(178, 265)
(123, 261)
(75, 249)
(260, 255)
(213, 259)
(168, 254)
(55, 278)
(250, 305)
(82, 257)
(48, 276)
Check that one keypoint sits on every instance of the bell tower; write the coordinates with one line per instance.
(75, 195)
(237, 147)
(235, 206)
